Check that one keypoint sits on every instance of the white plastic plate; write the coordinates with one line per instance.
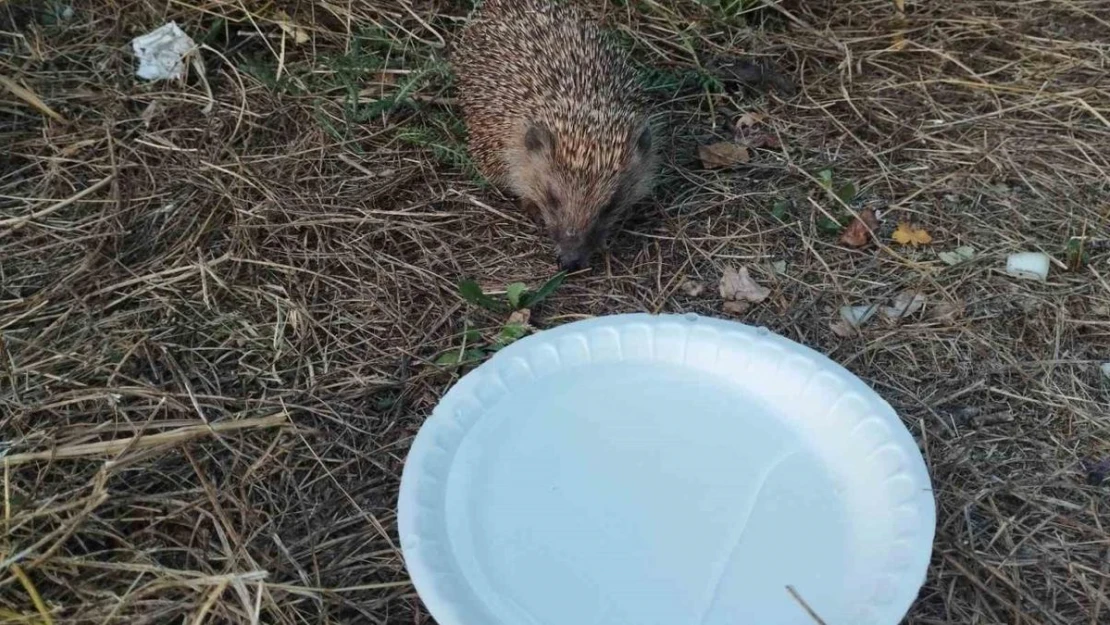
(664, 470)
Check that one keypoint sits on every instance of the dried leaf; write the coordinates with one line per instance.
(946, 312)
(749, 119)
(736, 308)
(909, 235)
(843, 329)
(738, 286)
(520, 317)
(859, 232)
(905, 304)
(723, 154)
(960, 254)
(763, 140)
(692, 288)
(856, 316)
(298, 34)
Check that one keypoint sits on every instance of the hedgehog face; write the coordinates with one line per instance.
(579, 206)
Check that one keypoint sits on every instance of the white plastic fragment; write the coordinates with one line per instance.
(1106, 370)
(1030, 265)
(162, 52)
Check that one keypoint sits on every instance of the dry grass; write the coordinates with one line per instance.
(219, 299)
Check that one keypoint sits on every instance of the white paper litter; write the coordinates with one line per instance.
(1031, 265)
(162, 52)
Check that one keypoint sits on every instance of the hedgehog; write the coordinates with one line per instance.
(556, 117)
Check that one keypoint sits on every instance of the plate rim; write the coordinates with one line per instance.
(428, 578)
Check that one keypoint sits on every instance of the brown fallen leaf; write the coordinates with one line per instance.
(749, 119)
(738, 286)
(723, 154)
(909, 235)
(520, 317)
(736, 308)
(693, 288)
(286, 23)
(858, 234)
(843, 329)
(905, 304)
(946, 312)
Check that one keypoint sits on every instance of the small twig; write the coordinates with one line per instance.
(36, 599)
(144, 442)
(15, 223)
(805, 606)
(29, 97)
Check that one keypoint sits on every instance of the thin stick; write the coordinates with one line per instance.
(805, 606)
(18, 222)
(144, 442)
(36, 599)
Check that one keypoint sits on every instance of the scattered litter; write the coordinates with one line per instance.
(162, 52)
(858, 234)
(1029, 265)
(739, 290)
(1106, 370)
(780, 267)
(692, 288)
(959, 255)
(905, 304)
(723, 154)
(909, 235)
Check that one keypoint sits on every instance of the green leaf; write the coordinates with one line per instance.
(1077, 255)
(472, 336)
(472, 356)
(846, 192)
(451, 358)
(471, 292)
(510, 333)
(779, 209)
(825, 177)
(455, 358)
(530, 299)
(827, 225)
(513, 293)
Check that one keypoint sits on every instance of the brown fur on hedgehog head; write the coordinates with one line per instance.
(578, 187)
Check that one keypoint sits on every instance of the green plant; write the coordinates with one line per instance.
(846, 194)
(517, 300)
(516, 295)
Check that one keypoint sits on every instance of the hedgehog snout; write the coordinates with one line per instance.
(573, 260)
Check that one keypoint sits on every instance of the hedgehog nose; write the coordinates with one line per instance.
(571, 262)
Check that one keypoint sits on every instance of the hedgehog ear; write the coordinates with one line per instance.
(643, 143)
(538, 139)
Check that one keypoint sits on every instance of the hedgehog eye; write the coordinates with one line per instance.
(552, 199)
(538, 139)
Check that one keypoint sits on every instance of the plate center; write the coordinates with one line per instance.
(595, 496)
